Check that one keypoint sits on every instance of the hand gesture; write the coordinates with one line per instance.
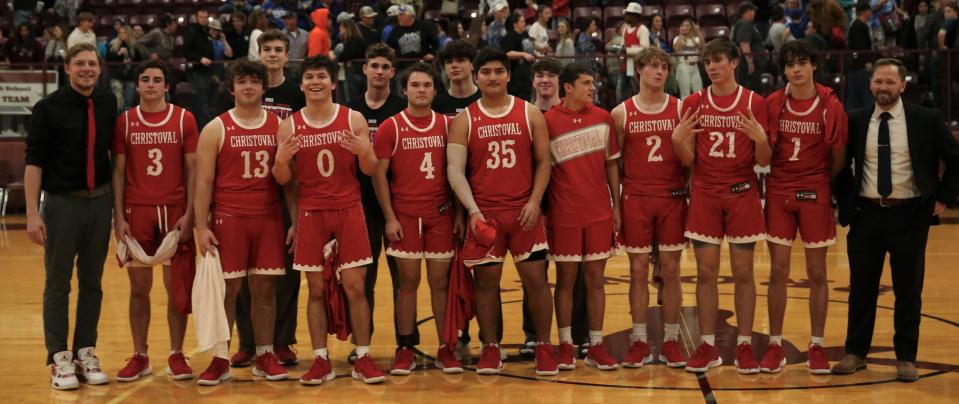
(751, 127)
(355, 143)
(36, 229)
(207, 241)
(528, 215)
(686, 129)
(394, 232)
(286, 149)
(185, 226)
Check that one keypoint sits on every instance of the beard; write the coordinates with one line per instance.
(886, 98)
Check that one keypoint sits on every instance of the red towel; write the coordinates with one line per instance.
(460, 304)
(182, 272)
(338, 323)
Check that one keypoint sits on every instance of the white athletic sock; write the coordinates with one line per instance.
(321, 352)
(595, 337)
(671, 332)
(362, 350)
(565, 335)
(263, 349)
(221, 350)
(776, 339)
(741, 339)
(639, 333)
(708, 339)
(817, 341)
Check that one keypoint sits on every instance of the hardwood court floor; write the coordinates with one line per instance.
(26, 379)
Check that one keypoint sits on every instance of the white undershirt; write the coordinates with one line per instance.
(903, 180)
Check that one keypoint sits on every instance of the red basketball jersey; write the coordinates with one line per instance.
(580, 142)
(325, 170)
(650, 166)
(500, 165)
(725, 156)
(154, 145)
(802, 146)
(244, 185)
(416, 149)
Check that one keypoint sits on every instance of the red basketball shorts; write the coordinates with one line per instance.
(649, 219)
(594, 241)
(315, 228)
(509, 236)
(250, 244)
(424, 236)
(812, 217)
(150, 224)
(737, 218)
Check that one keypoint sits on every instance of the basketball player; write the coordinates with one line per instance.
(282, 97)
(809, 141)
(319, 148)
(723, 135)
(245, 228)
(654, 204)
(457, 60)
(582, 222)
(505, 141)
(411, 147)
(154, 169)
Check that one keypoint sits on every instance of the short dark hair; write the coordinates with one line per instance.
(862, 6)
(383, 50)
(245, 68)
(891, 62)
(583, 23)
(777, 12)
(318, 63)
(541, 10)
(721, 46)
(420, 67)
(547, 64)
(154, 64)
(487, 55)
(165, 20)
(273, 35)
(801, 49)
(511, 21)
(571, 73)
(238, 15)
(85, 16)
(458, 49)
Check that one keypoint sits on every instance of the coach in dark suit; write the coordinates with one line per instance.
(888, 194)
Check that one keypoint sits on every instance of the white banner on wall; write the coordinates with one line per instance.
(19, 90)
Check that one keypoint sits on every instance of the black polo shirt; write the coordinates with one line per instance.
(57, 138)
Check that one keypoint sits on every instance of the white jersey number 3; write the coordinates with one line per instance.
(656, 142)
(502, 154)
(156, 168)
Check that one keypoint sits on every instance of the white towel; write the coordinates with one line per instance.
(209, 290)
(131, 249)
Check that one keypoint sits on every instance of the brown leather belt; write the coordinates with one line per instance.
(95, 193)
(888, 203)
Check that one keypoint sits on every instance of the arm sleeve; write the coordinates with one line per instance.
(190, 133)
(37, 136)
(456, 156)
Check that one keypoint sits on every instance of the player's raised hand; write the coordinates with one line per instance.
(686, 128)
(355, 143)
(751, 127)
(286, 149)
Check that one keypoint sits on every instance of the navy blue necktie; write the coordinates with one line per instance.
(884, 180)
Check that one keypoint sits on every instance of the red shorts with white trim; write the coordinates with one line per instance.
(149, 224)
(317, 227)
(737, 218)
(424, 236)
(813, 218)
(649, 219)
(251, 245)
(595, 241)
(509, 235)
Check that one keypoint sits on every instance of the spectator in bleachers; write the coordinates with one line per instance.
(412, 38)
(454, 31)
(539, 31)
(795, 25)
(367, 26)
(390, 22)
(234, 6)
(497, 28)
(23, 47)
(830, 17)
(299, 38)
(519, 49)
(222, 51)
(689, 43)
(159, 42)
(319, 41)
(351, 54)
(83, 33)
(23, 11)
(565, 44)
(585, 47)
(137, 31)
(258, 24)
(859, 65)
(121, 54)
(614, 46)
(561, 8)
(635, 39)
(778, 32)
(745, 35)
(198, 50)
(238, 35)
(56, 45)
(947, 33)
(67, 9)
(923, 23)
(790, 5)
(657, 34)
(886, 22)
